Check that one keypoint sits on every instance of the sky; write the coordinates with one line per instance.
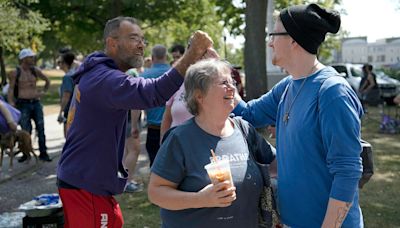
(375, 19)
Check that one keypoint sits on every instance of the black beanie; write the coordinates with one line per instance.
(308, 24)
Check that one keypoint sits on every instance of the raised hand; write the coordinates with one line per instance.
(198, 44)
(211, 53)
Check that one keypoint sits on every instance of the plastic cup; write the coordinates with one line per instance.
(219, 171)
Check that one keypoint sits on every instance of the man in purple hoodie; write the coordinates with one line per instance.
(90, 169)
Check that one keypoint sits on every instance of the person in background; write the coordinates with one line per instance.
(132, 143)
(317, 117)
(175, 112)
(90, 170)
(369, 89)
(67, 87)
(147, 64)
(238, 80)
(9, 117)
(23, 93)
(76, 62)
(177, 52)
(179, 184)
(154, 116)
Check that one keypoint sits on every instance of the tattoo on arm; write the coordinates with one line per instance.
(341, 215)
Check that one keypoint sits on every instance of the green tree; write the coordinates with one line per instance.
(20, 27)
(177, 30)
(236, 56)
(79, 24)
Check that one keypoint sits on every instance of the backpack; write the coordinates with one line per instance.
(18, 75)
(367, 163)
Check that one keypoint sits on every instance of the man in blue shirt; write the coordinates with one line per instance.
(67, 86)
(317, 117)
(154, 115)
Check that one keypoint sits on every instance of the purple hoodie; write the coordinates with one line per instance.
(92, 154)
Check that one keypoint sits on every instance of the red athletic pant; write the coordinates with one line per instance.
(84, 209)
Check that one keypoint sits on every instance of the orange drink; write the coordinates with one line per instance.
(219, 171)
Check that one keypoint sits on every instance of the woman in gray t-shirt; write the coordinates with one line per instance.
(180, 185)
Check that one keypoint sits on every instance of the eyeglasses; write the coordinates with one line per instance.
(273, 34)
(228, 83)
(138, 39)
(135, 38)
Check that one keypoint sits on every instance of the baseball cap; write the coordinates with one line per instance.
(26, 52)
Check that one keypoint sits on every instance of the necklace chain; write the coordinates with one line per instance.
(287, 113)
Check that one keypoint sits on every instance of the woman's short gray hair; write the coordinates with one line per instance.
(199, 77)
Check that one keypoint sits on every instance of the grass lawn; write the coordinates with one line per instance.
(379, 199)
(52, 97)
(138, 211)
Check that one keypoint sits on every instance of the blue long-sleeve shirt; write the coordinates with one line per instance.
(318, 149)
(92, 154)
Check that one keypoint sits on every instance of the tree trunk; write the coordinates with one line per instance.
(2, 68)
(255, 48)
(116, 8)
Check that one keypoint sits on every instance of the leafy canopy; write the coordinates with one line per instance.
(20, 27)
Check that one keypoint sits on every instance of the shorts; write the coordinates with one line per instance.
(85, 209)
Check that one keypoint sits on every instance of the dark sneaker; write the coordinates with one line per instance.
(133, 187)
(23, 158)
(45, 158)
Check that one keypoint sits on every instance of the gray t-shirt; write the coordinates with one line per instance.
(181, 159)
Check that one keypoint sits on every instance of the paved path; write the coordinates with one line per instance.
(28, 180)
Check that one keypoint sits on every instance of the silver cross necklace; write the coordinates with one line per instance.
(287, 113)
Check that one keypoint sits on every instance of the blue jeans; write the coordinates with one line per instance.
(33, 109)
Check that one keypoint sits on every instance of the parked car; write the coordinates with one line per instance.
(389, 87)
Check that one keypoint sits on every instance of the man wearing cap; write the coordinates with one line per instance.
(24, 94)
(317, 116)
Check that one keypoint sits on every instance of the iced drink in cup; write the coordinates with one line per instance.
(219, 171)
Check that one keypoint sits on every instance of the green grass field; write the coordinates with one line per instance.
(52, 97)
(380, 197)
